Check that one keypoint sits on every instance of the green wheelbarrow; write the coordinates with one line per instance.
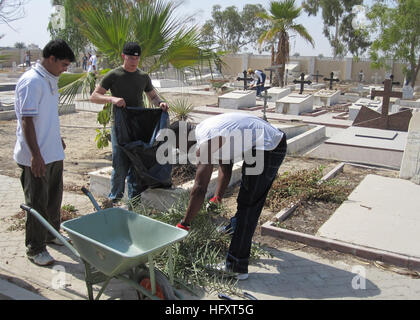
(116, 243)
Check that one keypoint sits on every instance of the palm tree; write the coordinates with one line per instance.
(282, 16)
(163, 37)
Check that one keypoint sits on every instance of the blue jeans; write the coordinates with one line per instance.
(260, 85)
(252, 195)
(122, 169)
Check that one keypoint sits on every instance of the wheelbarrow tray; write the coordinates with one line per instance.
(115, 240)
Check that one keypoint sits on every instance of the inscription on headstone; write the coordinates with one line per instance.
(410, 167)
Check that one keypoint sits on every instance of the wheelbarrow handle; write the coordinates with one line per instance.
(49, 227)
(92, 199)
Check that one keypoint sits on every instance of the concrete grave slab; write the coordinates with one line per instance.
(238, 99)
(295, 104)
(327, 97)
(410, 168)
(380, 214)
(167, 83)
(277, 93)
(365, 145)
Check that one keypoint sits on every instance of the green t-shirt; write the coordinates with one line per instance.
(127, 85)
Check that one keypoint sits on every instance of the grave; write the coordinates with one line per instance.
(408, 92)
(354, 109)
(295, 104)
(410, 168)
(331, 80)
(365, 145)
(379, 214)
(371, 119)
(238, 99)
(327, 97)
(277, 93)
(167, 83)
(302, 82)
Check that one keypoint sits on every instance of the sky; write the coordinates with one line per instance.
(33, 27)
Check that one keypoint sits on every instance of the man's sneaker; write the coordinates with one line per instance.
(57, 241)
(214, 205)
(42, 259)
(222, 267)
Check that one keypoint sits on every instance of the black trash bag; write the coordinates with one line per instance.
(136, 130)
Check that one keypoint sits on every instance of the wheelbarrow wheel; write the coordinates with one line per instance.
(164, 289)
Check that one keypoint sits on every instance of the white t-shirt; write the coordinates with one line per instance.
(243, 132)
(37, 96)
(93, 62)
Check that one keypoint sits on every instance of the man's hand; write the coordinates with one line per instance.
(164, 106)
(38, 167)
(119, 102)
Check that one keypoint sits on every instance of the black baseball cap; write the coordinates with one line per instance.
(132, 49)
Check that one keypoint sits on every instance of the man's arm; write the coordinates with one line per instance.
(98, 96)
(37, 163)
(157, 102)
(198, 192)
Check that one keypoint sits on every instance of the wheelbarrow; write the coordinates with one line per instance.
(116, 243)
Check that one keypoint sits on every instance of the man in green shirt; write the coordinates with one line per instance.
(127, 85)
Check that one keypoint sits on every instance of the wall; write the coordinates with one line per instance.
(240, 62)
(18, 55)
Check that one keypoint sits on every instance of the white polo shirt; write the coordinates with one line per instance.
(243, 132)
(37, 96)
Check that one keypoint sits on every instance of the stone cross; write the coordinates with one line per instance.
(276, 69)
(317, 75)
(266, 97)
(392, 81)
(302, 82)
(245, 79)
(331, 80)
(386, 94)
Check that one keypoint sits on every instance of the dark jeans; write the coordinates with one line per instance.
(122, 169)
(44, 195)
(260, 85)
(252, 195)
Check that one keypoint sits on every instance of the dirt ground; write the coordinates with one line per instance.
(82, 157)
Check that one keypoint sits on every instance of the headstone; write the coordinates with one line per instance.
(408, 92)
(238, 99)
(317, 75)
(326, 97)
(391, 77)
(245, 79)
(295, 104)
(302, 82)
(410, 167)
(331, 80)
(266, 98)
(278, 93)
(14, 66)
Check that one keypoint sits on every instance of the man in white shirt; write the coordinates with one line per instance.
(223, 140)
(93, 63)
(259, 80)
(39, 149)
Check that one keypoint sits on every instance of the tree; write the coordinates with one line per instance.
(230, 30)
(337, 16)
(282, 17)
(399, 35)
(20, 45)
(11, 10)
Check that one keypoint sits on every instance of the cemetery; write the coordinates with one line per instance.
(346, 191)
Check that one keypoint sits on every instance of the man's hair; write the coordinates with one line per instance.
(59, 49)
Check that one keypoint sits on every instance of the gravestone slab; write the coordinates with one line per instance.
(354, 109)
(327, 97)
(295, 104)
(238, 99)
(277, 93)
(408, 92)
(410, 167)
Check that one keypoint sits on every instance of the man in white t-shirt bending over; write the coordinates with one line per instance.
(39, 149)
(224, 140)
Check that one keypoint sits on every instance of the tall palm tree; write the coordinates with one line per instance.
(282, 17)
